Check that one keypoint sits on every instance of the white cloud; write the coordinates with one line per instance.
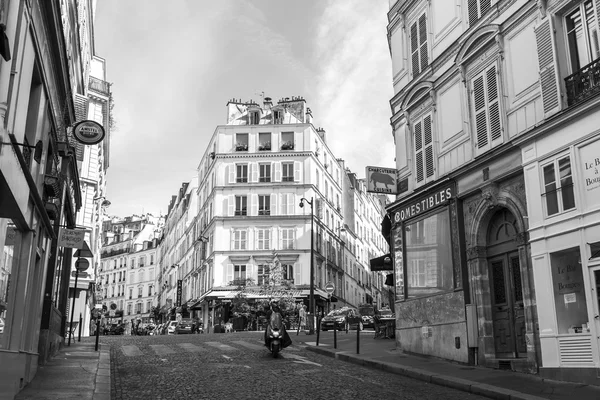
(355, 83)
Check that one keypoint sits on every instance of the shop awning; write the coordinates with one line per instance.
(257, 293)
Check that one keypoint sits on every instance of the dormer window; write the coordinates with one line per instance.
(254, 117)
(277, 117)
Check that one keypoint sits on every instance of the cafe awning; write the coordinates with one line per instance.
(257, 293)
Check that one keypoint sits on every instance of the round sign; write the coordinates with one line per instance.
(82, 264)
(330, 287)
(113, 306)
(88, 132)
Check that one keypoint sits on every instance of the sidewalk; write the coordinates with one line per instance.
(76, 372)
(492, 383)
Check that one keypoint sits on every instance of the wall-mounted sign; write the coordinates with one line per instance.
(179, 290)
(381, 180)
(72, 238)
(426, 203)
(590, 157)
(88, 132)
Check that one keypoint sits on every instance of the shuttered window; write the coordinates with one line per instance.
(486, 109)
(424, 160)
(418, 45)
(477, 9)
(548, 79)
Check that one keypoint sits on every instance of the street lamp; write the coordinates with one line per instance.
(311, 301)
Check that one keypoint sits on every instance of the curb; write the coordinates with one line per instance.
(482, 389)
(102, 381)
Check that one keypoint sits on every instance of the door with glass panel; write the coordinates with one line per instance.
(595, 281)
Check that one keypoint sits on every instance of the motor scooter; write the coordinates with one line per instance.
(275, 334)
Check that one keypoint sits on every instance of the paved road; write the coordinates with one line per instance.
(237, 366)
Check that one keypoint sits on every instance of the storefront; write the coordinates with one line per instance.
(563, 183)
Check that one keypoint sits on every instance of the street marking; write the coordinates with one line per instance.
(161, 349)
(131, 351)
(227, 357)
(315, 344)
(299, 359)
(250, 346)
(221, 346)
(192, 348)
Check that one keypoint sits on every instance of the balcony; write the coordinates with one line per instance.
(584, 83)
(100, 86)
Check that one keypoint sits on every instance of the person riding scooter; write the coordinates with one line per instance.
(274, 308)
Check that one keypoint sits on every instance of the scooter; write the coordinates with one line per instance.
(275, 334)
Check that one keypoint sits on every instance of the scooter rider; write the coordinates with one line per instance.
(274, 307)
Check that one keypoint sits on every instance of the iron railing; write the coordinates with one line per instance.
(100, 86)
(584, 83)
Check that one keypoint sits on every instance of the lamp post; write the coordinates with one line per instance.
(311, 301)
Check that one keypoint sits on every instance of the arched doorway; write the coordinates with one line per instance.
(506, 289)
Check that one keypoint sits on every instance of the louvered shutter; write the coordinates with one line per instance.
(228, 274)
(258, 236)
(297, 274)
(250, 272)
(231, 205)
(297, 171)
(480, 112)
(423, 41)
(231, 168)
(253, 204)
(472, 8)
(291, 201)
(548, 78)
(414, 49)
(493, 105)
(428, 146)
(254, 174)
(418, 130)
(273, 204)
(277, 169)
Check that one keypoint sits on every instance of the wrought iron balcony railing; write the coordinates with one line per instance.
(100, 86)
(584, 83)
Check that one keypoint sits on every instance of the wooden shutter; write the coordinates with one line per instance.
(472, 9)
(228, 275)
(291, 202)
(544, 35)
(297, 171)
(231, 174)
(493, 105)
(273, 204)
(231, 205)
(480, 112)
(297, 274)
(277, 170)
(254, 173)
(253, 204)
(423, 41)
(414, 49)
(428, 146)
(418, 131)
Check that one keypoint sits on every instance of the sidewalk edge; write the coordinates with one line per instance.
(102, 381)
(493, 392)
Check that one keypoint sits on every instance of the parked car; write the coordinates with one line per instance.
(343, 319)
(185, 326)
(367, 311)
(171, 327)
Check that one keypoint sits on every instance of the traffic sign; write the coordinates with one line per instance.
(82, 264)
(330, 287)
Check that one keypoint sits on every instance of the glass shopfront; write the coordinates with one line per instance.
(569, 291)
(9, 236)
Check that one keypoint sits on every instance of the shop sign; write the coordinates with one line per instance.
(11, 235)
(590, 156)
(179, 290)
(88, 132)
(426, 203)
(381, 180)
(72, 238)
(398, 263)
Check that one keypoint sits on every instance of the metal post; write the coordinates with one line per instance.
(80, 323)
(73, 309)
(97, 331)
(334, 335)
(318, 330)
(312, 263)
(358, 338)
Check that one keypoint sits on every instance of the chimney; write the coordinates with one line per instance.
(267, 103)
(309, 117)
(321, 133)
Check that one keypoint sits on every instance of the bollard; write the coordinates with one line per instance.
(358, 338)
(318, 330)
(334, 336)
(97, 333)
(80, 323)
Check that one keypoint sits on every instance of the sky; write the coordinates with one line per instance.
(174, 65)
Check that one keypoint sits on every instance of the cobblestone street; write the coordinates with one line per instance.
(238, 366)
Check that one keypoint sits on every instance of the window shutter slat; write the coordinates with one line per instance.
(481, 129)
(495, 127)
(419, 164)
(427, 130)
(429, 161)
(414, 48)
(478, 93)
(548, 80)
(423, 41)
(428, 139)
(418, 137)
(492, 85)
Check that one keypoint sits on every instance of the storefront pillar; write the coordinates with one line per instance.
(531, 319)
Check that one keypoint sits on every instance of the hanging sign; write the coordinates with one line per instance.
(72, 238)
(88, 132)
(381, 180)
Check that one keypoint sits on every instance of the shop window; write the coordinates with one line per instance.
(264, 172)
(569, 291)
(558, 186)
(241, 175)
(429, 255)
(595, 250)
(264, 204)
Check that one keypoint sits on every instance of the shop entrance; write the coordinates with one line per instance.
(508, 313)
(595, 272)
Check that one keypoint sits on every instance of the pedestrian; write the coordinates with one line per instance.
(302, 315)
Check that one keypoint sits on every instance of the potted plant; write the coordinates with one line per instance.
(287, 146)
(265, 146)
(241, 147)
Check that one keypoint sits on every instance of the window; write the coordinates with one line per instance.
(263, 274)
(264, 204)
(558, 186)
(287, 238)
(239, 239)
(241, 142)
(569, 292)
(288, 172)
(287, 272)
(263, 239)
(581, 26)
(254, 117)
(265, 172)
(140, 291)
(138, 308)
(287, 141)
(277, 117)
(142, 261)
(477, 9)
(239, 272)
(151, 259)
(264, 141)
(149, 290)
(424, 160)
(429, 255)
(418, 45)
(129, 308)
(241, 173)
(241, 205)
(486, 109)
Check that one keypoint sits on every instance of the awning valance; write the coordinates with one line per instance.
(257, 293)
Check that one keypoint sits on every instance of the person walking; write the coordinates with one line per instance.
(302, 316)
